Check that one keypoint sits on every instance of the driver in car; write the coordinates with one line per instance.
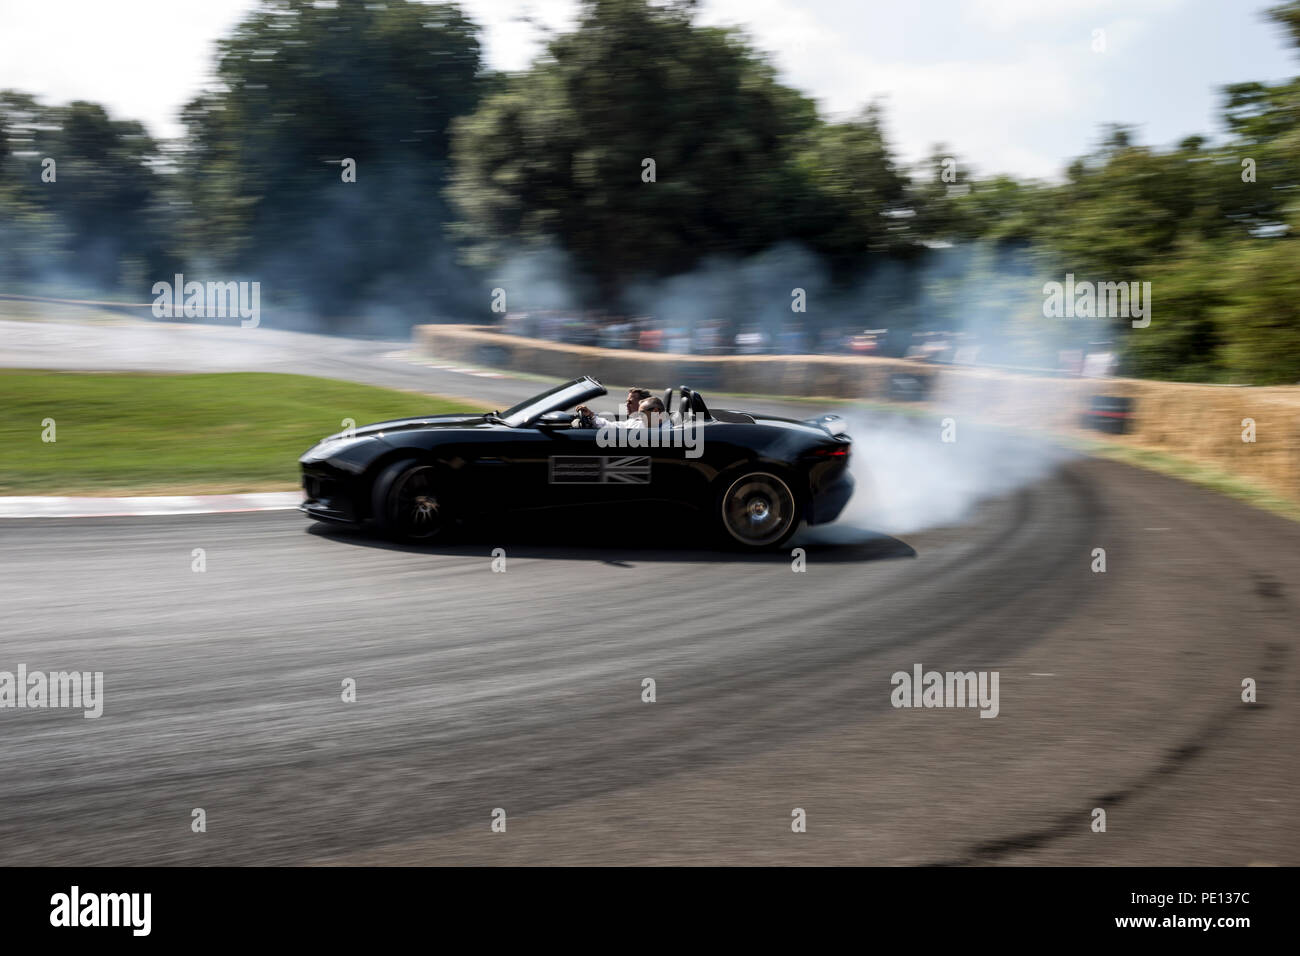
(635, 397)
(650, 414)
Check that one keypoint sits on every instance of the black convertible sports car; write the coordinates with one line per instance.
(758, 477)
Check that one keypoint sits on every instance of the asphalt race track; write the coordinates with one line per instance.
(523, 690)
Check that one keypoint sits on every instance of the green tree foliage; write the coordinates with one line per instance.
(1211, 226)
(560, 155)
(1260, 324)
(859, 204)
(96, 211)
(302, 88)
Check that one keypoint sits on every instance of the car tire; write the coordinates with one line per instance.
(757, 510)
(409, 502)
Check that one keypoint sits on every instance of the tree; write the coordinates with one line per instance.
(302, 88)
(562, 155)
(92, 217)
(861, 205)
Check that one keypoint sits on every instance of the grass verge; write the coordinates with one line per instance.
(1192, 471)
(127, 433)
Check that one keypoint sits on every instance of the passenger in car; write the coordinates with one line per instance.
(650, 413)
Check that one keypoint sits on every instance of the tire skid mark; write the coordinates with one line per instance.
(1175, 761)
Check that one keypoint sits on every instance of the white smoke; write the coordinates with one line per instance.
(909, 479)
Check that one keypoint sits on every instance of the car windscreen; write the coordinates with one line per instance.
(560, 397)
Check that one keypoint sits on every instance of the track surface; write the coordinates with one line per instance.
(478, 690)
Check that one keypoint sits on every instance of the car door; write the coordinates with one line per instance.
(588, 467)
(677, 464)
(552, 465)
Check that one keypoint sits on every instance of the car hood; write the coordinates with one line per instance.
(408, 424)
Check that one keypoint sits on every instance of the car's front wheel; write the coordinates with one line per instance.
(758, 510)
(409, 502)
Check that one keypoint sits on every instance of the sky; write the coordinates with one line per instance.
(1013, 86)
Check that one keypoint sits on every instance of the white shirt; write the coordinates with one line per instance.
(636, 421)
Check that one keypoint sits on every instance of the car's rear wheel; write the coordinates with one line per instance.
(758, 510)
(410, 502)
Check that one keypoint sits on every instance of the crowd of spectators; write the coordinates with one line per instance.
(716, 337)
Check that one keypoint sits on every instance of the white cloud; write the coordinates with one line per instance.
(143, 59)
(509, 42)
(1006, 14)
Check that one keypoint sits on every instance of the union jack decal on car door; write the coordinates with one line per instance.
(581, 470)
